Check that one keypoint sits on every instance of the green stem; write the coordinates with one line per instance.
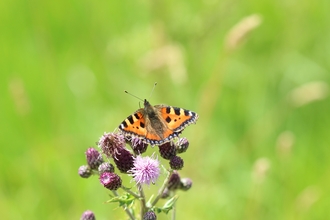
(130, 192)
(143, 200)
(173, 211)
(162, 188)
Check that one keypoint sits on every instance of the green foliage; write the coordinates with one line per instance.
(125, 199)
(168, 206)
(260, 148)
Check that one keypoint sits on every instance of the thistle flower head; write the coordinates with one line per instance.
(150, 215)
(182, 145)
(110, 181)
(88, 215)
(110, 142)
(123, 159)
(185, 184)
(176, 163)
(106, 167)
(146, 170)
(174, 181)
(167, 150)
(94, 158)
(84, 171)
(138, 146)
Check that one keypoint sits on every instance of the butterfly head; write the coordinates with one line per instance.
(148, 108)
(146, 103)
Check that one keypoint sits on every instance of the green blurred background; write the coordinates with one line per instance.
(257, 73)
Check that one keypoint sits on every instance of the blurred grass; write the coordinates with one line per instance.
(260, 148)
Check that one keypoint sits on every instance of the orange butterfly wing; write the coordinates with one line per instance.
(134, 124)
(177, 119)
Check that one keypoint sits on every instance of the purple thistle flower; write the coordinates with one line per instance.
(182, 145)
(113, 146)
(185, 184)
(138, 146)
(150, 215)
(146, 170)
(110, 181)
(110, 142)
(84, 171)
(123, 159)
(106, 167)
(94, 158)
(176, 163)
(167, 150)
(88, 215)
(174, 181)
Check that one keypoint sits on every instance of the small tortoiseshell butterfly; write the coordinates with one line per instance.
(157, 124)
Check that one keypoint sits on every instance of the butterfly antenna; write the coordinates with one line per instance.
(134, 96)
(153, 88)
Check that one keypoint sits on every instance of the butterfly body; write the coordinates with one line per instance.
(157, 124)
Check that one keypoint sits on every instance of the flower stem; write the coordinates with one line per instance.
(143, 200)
(173, 211)
(162, 188)
(130, 192)
(125, 207)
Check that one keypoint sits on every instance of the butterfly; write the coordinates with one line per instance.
(157, 124)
